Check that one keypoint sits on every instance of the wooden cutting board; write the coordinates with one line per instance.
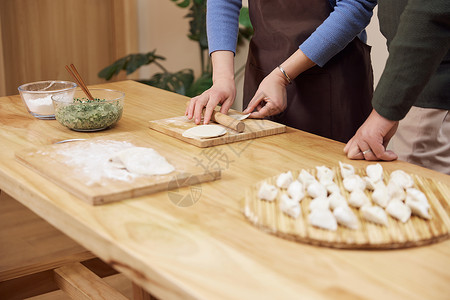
(254, 128)
(415, 232)
(93, 187)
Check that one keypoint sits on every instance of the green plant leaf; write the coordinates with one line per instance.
(178, 82)
(203, 83)
(135, 62)
(113, 69)
(244, 18)
(182, 3)
(129, 63)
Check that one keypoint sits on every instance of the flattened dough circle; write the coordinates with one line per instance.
(142, 161)
(205, 131)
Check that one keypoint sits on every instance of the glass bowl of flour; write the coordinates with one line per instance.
(37, 96)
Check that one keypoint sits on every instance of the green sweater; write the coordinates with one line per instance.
(417, 71)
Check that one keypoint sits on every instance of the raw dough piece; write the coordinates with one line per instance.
(418, 208)
(290, 206)
(402, 179)
(374, 214)
(399, 210)
(337, 200)
(284, 180)
(358, 198)
(323, 218)
(306, 178)
(319, 203)
(375, 172)
(267, 192)
(380, 195)
(325, 175)
(316, 189)
(346, 169)
(205, 131)
(395, 191)
(295, 191)
(142, 161)
(346, 217)
(333, 188)
(353, 182)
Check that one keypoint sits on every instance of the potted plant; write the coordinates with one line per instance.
(183, 81)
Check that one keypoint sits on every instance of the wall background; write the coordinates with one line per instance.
(162, 26)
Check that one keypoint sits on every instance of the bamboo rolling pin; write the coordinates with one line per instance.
(226, 120)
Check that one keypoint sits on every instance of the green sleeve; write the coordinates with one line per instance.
(420, 44)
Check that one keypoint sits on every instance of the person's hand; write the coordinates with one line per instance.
(222, 92)
(270, 98)
(371, 139)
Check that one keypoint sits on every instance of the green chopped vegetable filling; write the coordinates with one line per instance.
(90, 114)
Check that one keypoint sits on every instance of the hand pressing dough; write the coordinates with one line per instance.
(142, 161)
(205, 131)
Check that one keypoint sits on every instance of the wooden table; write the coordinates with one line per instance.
(209, 250)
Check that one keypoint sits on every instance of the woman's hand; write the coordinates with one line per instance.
(372, 138)
(270, 98)
(222, 92)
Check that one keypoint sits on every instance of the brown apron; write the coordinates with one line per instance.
(331, 101)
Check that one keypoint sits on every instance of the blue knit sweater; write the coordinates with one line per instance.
(348, 19)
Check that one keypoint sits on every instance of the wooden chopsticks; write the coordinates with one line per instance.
(73, 71)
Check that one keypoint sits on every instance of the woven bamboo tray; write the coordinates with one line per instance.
(415, 232)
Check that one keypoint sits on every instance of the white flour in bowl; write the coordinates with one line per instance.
(41, 106)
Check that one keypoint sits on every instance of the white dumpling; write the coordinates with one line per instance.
(290, 206)
(374, 214)
(375, 172)
(419, 209)
(370, 184)
(380, 195)
(402, 179)
(399, 210)
(333, 188)
(337, 200)
(323, 219)
(354, 182)
(316, 189)
(284, 180)
(295, 191)
(267, 192)
(325, 175)
(358, 198)
(319, 203)
(413, 194)
(418, 203)
(346, 169)
(395, 191)
(306, 178)
(345, 216)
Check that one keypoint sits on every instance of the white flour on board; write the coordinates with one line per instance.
(92, 160)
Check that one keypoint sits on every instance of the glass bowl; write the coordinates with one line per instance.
(37, 96)
(81, 114)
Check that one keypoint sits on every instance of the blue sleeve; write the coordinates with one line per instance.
(348, 20)
(222, 20)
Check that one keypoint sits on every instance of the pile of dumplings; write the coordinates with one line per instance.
(330, 208)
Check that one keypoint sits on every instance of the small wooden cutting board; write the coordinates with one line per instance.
(254, 128)
(51, 162)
